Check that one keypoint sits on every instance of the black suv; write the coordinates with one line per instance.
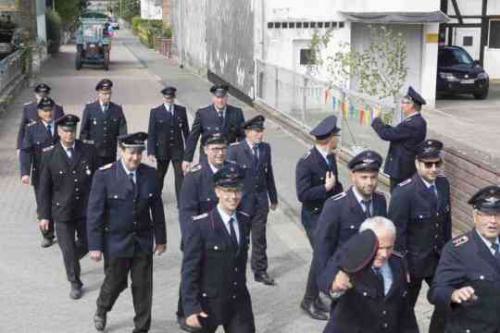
(458, 73)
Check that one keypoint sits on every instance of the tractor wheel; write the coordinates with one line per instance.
(78, 61)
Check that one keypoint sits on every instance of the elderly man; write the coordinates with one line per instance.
(372, 297)
(404, 138)
(214, 290)
(467, 279)
(126, 223)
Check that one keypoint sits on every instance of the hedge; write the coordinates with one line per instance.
(147, 30)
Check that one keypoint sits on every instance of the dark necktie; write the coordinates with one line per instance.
(49, 130)
(380, 281)
(71, 153)
(494, 246)
(255, 150)
(234, 239)
(131, 178)
(220, 113)
(433, 195)
(366, 205)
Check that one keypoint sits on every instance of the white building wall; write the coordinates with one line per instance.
(151, 9)
(388, 5)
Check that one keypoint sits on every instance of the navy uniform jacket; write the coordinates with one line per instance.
(364, 308)
(103, 128)
(121, 222)
(340, 219)
(64, 183)
(197, 193)
(167, 133)
(404, 139)
(36, 138)
(310, 180)
(422, 228)
(213, 272)
(30, 114)
(466, 261)
(206, 121)
(259, 187)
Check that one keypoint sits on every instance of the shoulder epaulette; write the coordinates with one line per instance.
(48, 148)
(460, 240)
(195, 168)
(89, 142)
(243, 213)
(105, 167)
(28, 103)
(199, 217)
(31, 123)
(398, 254)
(306, 155)
(338, 196)
(406, 182)
(234, 143)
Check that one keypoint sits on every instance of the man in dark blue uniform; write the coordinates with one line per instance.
(126, 223)
(102, 122)
(198, 193)
(39, 135)
(168, 130)
(316, 180)
(217, 117)
(420, 208)
(343, 214)
(30, 111)
(254, 156)
(65, 181)
(404, 138)
(214, 290)
(369, 282)
(467, 279)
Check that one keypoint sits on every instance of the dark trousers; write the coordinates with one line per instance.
(103, 160)
(72, 239)
(309, 221)
(49, 234)
(394, 182)
(162, 168)
(115, 281)
(259, 240)
(438, 319)
(240, 322)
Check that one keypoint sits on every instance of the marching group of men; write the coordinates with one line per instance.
(370, 256)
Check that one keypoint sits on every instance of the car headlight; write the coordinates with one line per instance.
(482, 76)
(447, 76)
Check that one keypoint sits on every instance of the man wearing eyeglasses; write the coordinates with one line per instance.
(467, 279)
(420, 208)
(404, 138)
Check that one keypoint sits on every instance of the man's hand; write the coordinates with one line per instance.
(377, 113)
(160, 249)
(25, 180)
(463, 294)
(43, 225)
(342, 282)
(193, 320)
(152, 158)
(273, 206)
(186, 166)
(330, 181)
(96, 255)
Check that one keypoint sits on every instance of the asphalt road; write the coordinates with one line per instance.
(33, 286)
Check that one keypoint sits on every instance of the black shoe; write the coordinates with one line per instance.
(47, 242)
(100, 320)
(264, 278)
(310, 309)
(184, 326)
(320, 306)
(76, 292)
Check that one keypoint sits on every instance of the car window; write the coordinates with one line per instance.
(450, 57)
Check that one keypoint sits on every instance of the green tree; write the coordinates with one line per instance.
(69, 10)
(127, 9)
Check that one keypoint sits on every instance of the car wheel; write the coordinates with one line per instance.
(481, 95)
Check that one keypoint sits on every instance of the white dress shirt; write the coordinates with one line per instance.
(489, 243)
(66, 149)
(226, 218)
(128, 172)
(359, 199)
(386, 272)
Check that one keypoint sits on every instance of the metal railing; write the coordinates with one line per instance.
(308, 100)
(11, 67)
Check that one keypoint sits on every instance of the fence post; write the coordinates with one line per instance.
(276, 88)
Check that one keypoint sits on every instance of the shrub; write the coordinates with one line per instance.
(54, 31)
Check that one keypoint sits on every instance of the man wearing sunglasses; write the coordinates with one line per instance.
(468, 275)
(420, 208)
(404, 138)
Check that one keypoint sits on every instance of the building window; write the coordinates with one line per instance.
(312, 24)
(494, 38)
(291, 25)
(306, 25)
(327, 25)
(299, 25)
(467, 41)
(277, 25)
(284, 25)
(306, 57)
(270, 25)
(341, 24)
